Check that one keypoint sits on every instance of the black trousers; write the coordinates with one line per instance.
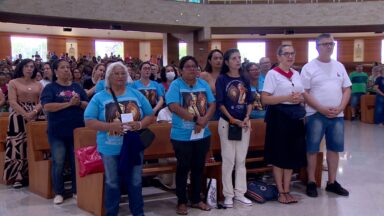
(190, 157)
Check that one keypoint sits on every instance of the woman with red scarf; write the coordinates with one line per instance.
(285, 134)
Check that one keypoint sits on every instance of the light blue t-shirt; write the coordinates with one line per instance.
(195, 100)
(100, 86)
(152, 91)
(103, 108)
(261, 81)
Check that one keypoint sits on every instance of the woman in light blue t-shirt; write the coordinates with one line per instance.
(192, 104)
(103, 115)
(150, 89)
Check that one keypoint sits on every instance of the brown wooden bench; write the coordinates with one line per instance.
(90, 188)
(367, 107)
(4, 114)
(347, 113)
(256, 143)
(39, 166)
(3, 136)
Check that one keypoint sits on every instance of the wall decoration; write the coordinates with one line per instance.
(358, 50)
(71, 48)
(215, 45)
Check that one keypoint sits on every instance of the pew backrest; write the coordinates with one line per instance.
(3, 132)
(37, 139)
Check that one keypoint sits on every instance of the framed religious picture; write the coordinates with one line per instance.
(215, 45)
(358, 50)
(71, 48)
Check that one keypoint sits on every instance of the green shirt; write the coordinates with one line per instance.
(359, 82)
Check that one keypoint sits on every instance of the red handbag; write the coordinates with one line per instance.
(89, 160)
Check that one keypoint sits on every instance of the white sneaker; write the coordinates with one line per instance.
(58, 199)
(228, 202)
(243, 200)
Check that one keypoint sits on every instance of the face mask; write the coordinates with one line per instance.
(170, 75)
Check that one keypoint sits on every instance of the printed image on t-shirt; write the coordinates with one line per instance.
(66, 95)
(151, 95)
(237, 92)
(195, 102)
(112, 113)
(257, 105)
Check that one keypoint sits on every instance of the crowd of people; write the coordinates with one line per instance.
(103, 93)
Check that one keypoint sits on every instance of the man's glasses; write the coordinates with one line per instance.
(331, 44)
(288, 54)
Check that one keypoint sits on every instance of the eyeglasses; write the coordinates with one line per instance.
(327, 44)
(145, 68)
(288, 54)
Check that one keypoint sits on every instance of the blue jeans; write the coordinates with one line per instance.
(379, 109)
(355, 99)
(60, 148)
(112, 191)
(317, 125)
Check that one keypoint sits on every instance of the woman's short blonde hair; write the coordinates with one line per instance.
(110, 69)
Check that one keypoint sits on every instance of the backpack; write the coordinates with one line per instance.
(261, 192)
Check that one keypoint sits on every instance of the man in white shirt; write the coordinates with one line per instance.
(327, 92)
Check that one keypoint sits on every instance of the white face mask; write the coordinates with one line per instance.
(170, 75)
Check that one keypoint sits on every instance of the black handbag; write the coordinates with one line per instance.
(146, 135)
(234, 132)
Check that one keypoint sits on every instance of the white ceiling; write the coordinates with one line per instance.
(106, 34)
(58, 30)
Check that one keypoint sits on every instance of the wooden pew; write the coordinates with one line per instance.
(39, 166)
(3, 136)
(90, 188)
(4, 114)
(256, 143)
(348, 113)
(367, 106)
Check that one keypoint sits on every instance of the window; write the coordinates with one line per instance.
(28, 47)
(382, 51)
(103, 48)
(253, 51)
(312, 52)
(182, 49)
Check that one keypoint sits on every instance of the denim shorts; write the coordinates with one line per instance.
(317, 125)
(355, 99)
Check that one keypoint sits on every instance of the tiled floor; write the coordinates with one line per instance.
(360, 172)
